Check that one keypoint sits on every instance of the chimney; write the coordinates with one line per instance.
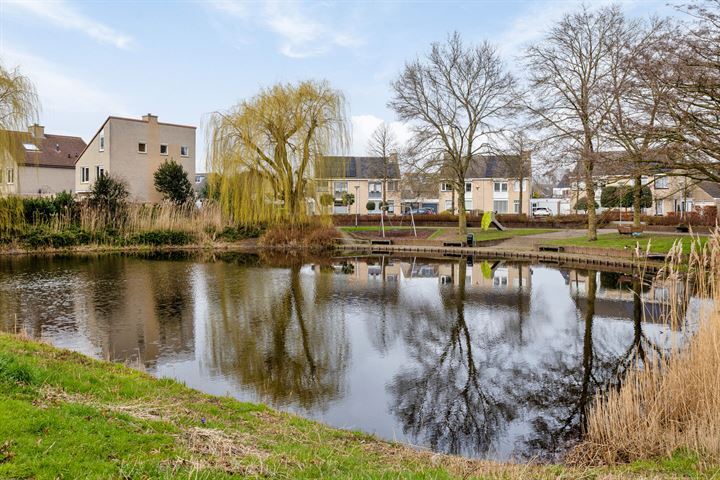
(393, 157)
(150, 118)
(37, 131)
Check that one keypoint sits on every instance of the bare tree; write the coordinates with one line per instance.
(570, 72)
(641, 85)
(383, 143)
(453, 98)
(695, 103)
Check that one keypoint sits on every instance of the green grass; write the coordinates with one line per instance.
(492, 233)
(658, 243)
(63, 415)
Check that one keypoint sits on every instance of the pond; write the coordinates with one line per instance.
(485, 359)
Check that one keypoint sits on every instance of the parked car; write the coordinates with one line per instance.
(419, 211)
(541, 212)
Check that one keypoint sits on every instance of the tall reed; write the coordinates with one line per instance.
(672, 403)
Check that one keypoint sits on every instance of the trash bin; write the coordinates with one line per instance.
(470, 240)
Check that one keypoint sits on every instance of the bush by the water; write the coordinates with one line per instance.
(313, 236)
(240, 232)
(161, 237)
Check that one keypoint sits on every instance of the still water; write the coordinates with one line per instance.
(485, 359)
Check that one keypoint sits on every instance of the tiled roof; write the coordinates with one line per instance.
(357, 167)
(711, 188)
(497, 166)
(617, 164)
(56, 151)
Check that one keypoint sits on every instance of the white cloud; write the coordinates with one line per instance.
(300, 35)
(364, 125)
(63, 15)
(69, 105)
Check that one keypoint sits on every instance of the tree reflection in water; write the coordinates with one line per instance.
(287, 348)
(448, 399)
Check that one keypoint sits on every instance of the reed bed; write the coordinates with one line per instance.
(671, 403)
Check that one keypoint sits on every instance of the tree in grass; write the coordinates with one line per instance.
(171, 180)
(348, 200)
(109, 198)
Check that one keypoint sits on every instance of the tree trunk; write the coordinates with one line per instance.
(520, 198)
(590, 197)
(637, 201)
(462, 217)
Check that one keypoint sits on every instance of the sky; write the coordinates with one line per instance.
(183, 60)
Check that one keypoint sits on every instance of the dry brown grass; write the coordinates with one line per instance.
(313, 236)
(672, 403)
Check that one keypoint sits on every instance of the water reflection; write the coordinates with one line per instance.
(481, 358)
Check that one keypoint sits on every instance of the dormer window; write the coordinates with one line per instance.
(31, 147)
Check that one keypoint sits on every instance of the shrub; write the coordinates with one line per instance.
(171, 180)
(234, 234)
(109, 197)
(582, 204)
(313, 236)
(38, 210)
(370, 206)
(161, 237)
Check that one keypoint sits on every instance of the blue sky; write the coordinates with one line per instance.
(183, 60)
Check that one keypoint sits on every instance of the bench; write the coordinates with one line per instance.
(630, 229)
(383, 241)
(452, 244)
(551, 248)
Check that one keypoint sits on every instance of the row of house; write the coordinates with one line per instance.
(131, 149)
(671, 191)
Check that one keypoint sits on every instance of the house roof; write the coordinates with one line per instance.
(54, 151)
(357, 167)
(497, 166)
(711, 188)
(617, 164)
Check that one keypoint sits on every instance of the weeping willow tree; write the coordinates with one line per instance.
(266, 150)
(19, 107)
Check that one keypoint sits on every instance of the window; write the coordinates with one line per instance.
(468, 187)
(101, 142)
(142, 147)
(10, 177)
(198, 178)
(516, 185)
(184, 151)
(340, 187)
(163, 149)
(99, 171)
(516, 206)
(445, 187)
(659, 207)
(500, 206)
(662, 182)
(500, 186)
(374, 190)
(391, 207)
(31, 147)
(85, 174)
(392, 185)
(448, 205)
(321, 186)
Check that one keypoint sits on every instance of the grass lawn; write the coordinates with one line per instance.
(491, 234)
(63, 415)
(658, 243)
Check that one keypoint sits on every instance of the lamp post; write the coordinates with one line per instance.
(357, 203)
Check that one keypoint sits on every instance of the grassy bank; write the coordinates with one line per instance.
(65, 415)
(659, 243)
